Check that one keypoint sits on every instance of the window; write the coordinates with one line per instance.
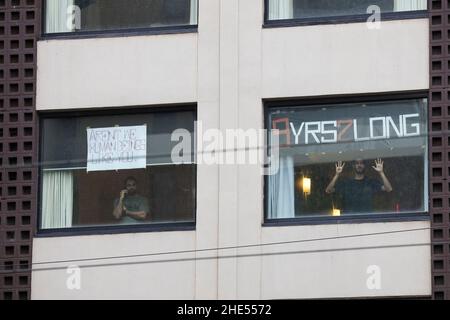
(316, 9)
(87, 161)
(345, 159)
(63, 16)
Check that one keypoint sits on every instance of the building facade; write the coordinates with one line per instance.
(119, 180)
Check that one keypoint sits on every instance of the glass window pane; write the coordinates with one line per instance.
(98, 15)
(358, 158)
(159, 192)
(301, 9)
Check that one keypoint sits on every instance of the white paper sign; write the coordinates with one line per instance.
(116, 148)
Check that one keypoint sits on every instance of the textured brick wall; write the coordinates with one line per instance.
(439, 124)
(19, 29)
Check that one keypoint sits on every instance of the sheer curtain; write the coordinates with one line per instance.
(194, 10)
(410, 5)
(57, 199)
(281, 9)
(281, 191)
(56, 15)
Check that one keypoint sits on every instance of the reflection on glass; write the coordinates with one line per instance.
(303, 9)
(162, 192)
(98, 15)
(358, 158)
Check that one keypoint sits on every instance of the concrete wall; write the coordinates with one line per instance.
(345, 58)
(122, 71)
(343, 267)
(319, 269)
(228, 68)
(126, 278)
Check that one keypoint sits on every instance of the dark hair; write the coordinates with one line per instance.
(130, 178)
(363, 161)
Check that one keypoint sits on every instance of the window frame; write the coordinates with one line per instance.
(109, 229)
(269, 104)
(111, 33)
(386, 16)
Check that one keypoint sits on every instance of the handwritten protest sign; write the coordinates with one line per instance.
(116, 148)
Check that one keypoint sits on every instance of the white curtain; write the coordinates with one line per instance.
(281, 9)
(56, 15)
(57, 199)
(281, 191)
(194, 12)
(410, 5)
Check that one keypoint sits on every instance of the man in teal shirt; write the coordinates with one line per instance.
(130, 207)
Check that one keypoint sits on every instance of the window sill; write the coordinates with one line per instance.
(374, 218)
(343, 19)
(120, 33)
(103, 230)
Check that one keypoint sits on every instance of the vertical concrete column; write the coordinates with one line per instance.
(250, 117)
(208, 175)
(228, 177)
